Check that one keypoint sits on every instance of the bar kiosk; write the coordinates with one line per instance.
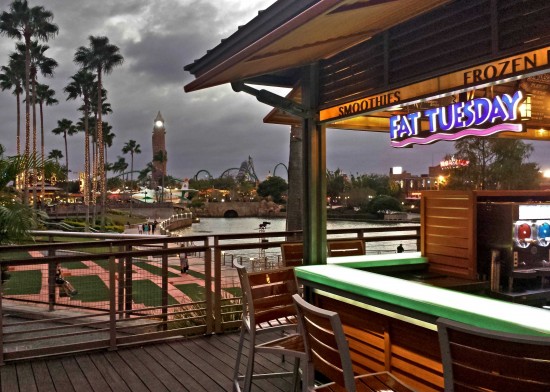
(514, 249)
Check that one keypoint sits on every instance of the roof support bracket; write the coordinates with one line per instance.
(271, 99)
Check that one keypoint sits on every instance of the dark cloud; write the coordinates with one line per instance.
(214, 129)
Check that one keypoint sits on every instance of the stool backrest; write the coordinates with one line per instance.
(338, 248)
(292, 254)
(326, 346)
(267, 295)
(483, 359)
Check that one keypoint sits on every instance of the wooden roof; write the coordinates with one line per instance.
(290, 34)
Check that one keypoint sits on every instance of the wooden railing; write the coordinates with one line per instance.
(130, 288)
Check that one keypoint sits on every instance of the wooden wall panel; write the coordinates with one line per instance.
(379, 342)
(448, 232)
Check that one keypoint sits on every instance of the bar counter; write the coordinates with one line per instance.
(390, 322)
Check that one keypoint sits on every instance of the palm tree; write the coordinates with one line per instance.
(22, 22)
(81, 86)
(133, 148)
(102, 57)
(16, 218)
(39, 62)
(12, 76)
(55, 154)
(45, 96)
(65, 127)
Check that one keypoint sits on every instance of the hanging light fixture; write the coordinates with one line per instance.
(525, 108)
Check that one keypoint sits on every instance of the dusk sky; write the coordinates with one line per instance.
(213, 129)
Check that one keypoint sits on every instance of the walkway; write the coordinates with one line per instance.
(198, 364)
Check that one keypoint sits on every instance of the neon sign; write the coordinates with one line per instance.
(477, 117)
(453, 163)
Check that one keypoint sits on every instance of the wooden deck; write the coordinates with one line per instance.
(198, 364)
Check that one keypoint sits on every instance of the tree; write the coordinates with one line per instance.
(295, 202)
(55, 154)
(22, 22)
(66, 128)
(12, 76)
(45, 96)
(133, 148)
(335, 184)
(494, 164)
(275, 187)
(16, 218)
(383, 203)
(102, 57)
(81, 85)
(39, 62)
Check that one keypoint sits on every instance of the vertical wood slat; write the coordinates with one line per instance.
(446, 216)
(410, 352)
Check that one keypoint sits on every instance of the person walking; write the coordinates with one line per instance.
(154, 226)
(146, 228)
(184, 263)
(140, 229)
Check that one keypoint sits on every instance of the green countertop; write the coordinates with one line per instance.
(385, 260)
(467, 308)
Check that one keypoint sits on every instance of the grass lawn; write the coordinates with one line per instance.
(149, 294)
(234, 291)
(90, 288)
(102, 263)
(196, 274)
(193, 291)
(23, 282)
(14, 255)
(153, 269)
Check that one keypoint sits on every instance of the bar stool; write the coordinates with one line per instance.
(327, 352)
(268, 307)
(481, 359)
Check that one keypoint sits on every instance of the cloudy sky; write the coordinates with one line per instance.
(157, 38)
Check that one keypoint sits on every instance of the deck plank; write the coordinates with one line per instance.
(43, 377)
(95, 378)
(199, 364)
(126, 372)
(178, 366)
(110, 374)
(25, 377)
(74, 374)
(8, 379)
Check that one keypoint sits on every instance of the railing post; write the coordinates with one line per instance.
(164, 284)
(1, 322)
(121, 284)
(210, 312)
(112, 304)
(51, 281)
(217, 286)
(128, 283)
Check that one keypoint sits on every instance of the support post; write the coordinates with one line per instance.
(314, 172)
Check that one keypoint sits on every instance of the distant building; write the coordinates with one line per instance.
(410, 184)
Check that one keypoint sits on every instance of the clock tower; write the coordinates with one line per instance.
(159, 150)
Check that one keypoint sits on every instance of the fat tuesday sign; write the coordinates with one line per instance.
(476, 117)
(514, 67)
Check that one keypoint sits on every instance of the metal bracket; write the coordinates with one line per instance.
(271, 99)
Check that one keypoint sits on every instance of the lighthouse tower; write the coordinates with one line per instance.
(159, 150)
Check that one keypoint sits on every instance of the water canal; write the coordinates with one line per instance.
(213, 226)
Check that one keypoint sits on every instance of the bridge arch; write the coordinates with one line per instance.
(230, 214)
